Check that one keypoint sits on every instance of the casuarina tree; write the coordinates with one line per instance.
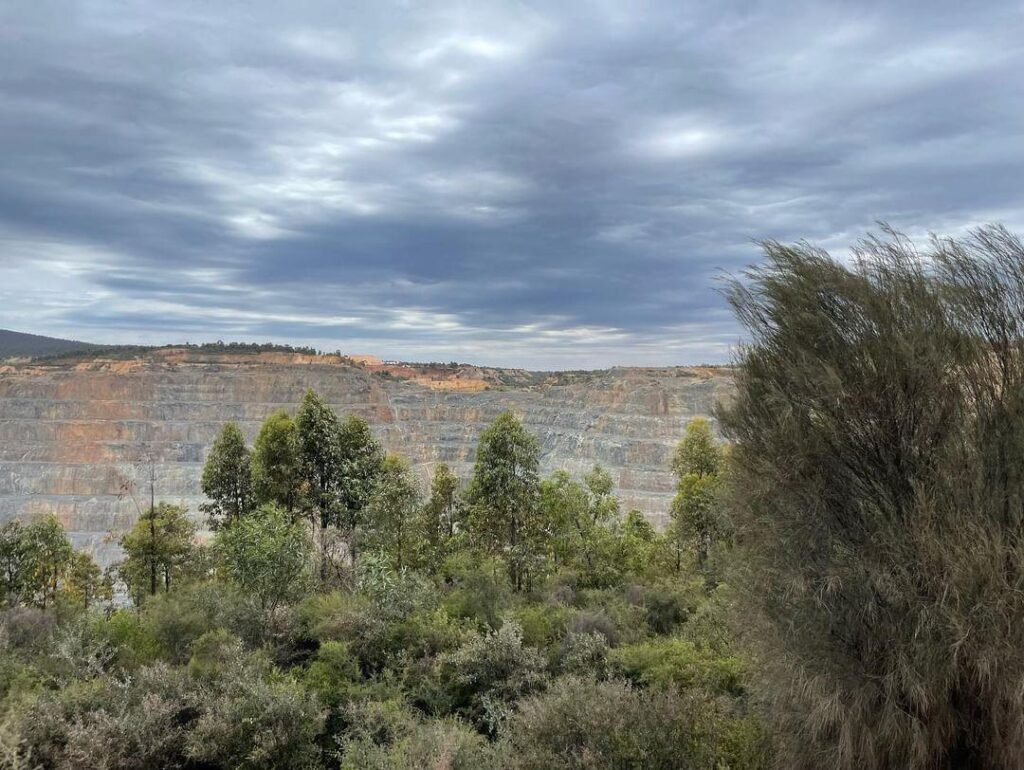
(877, 486)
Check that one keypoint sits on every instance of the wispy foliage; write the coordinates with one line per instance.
(879, 488)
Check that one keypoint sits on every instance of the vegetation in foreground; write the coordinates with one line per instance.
(867, 515)
(340, 617)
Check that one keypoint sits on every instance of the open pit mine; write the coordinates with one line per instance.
(80, 436)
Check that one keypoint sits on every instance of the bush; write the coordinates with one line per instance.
(542, 624)
(255, 722)
(133, 642)
(584, 654)
(107, 723)
(598, 623)
(237, 715)
(479, 589)
(489, 672)
(389, 736)
(178, 618)
(214, 654)
(581, 723)
(678, 662)
(27, 628)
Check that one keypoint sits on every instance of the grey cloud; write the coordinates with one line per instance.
(523, 183)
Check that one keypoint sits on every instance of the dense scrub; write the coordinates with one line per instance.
(341, 616)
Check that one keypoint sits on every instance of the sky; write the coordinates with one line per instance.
(540, 184)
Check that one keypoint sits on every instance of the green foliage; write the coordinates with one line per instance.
(35, 559)
(505, 496)
(697, 453)
(339, 462)
(257, 721)
(578, 517)
(389, 736)
(582, 723)
(213, 654)
(391, 513)
(319, 459)
(542, 625)
(85, 583)
(227, 478)
(361, 457)
(267, 555)
(275, 463)
(334, 674)
(696, 516)
(158, 550)
(440, 519)
(679, 662)
(489, 672)
(878, 474)
(132, 640)
(164, 717)
(640, 550)
(175, 620)
(584, 654)
(479, 589)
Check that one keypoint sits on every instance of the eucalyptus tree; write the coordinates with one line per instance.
(361, 459)
(227, 478)
(696, 463)
(275, 463)
(440, 518)
(391, 513)
(504, 491)
(320, 467)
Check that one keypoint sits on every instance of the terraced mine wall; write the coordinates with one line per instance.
(77, 438)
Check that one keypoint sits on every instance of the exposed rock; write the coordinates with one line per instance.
(72, 435)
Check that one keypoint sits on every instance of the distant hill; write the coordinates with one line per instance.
(19, 344)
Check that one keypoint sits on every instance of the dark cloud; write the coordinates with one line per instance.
(528, 183)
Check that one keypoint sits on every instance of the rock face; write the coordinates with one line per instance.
(76, 439)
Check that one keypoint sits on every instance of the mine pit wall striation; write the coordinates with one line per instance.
(70, 436)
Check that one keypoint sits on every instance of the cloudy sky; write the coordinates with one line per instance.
(550, 184)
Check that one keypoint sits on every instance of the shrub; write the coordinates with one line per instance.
(132, 641)
(542, 624)
(678, 662)
(595, 623)
(178, 618)
(584, 654)
(107, 723)
(489, 672)
(253, 722)
(479, 589)
(581, 723)
(389, 736)
(213, 654)
(28, 629)
(238, 714)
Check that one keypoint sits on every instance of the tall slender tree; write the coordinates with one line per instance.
(440, 518)
(275, 463)
(361, 457)
(505, 497)
(695, 516)
(391, 512)
(227, 478)
(160, 543)
(320, 467)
